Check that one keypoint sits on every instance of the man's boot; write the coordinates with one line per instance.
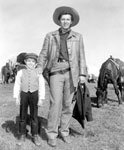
(66, 139)
(52, 142)
(36, 140)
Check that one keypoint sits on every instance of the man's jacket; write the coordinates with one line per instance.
(50, 53)
(82, 109)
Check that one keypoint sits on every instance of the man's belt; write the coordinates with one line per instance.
(59, 72)
(62, 60)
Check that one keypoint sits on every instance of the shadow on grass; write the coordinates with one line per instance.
(41, 127)
(112, 100)
(94, 101)
(12, 126)
(74, 132)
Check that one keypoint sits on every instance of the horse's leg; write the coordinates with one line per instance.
(122, 92)
(99, 98)
(121, 88)
(105, 96)
(4, 81)
(99, 102)
(105, 91)
(117, 92)
(2, 78)
(7, 78)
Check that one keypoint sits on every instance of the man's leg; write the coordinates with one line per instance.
(67, 109)
(56, 96)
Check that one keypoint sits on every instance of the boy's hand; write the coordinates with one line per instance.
(17, 101)
(40, 103)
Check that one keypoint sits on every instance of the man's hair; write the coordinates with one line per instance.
(65, 14)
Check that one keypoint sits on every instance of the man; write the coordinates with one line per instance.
(63, 54)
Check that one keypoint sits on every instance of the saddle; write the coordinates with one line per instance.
(114, 62)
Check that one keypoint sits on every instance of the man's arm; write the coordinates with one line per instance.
(43, 56)
(82, 61)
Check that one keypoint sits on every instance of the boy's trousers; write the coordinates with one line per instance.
(31, 100)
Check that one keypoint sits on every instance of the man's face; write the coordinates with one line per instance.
(30, 63)
(66, 21)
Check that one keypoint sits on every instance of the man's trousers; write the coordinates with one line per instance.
(61, 107)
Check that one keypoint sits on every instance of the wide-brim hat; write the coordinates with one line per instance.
(65, 10)
(31, 55)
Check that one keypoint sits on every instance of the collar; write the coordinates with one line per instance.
(62, 32)
(71, 34)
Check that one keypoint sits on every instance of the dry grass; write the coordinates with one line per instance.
(105, 132)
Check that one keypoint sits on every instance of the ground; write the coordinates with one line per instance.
(105, 132)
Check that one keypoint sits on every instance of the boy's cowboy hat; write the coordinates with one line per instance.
(31, 55)
(66, 10)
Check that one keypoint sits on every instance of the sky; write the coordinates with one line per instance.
(24, 24)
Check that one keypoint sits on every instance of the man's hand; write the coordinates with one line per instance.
(39, 70)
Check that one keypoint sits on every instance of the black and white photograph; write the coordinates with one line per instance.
(62, 74)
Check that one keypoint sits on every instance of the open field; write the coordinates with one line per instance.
(105, 132)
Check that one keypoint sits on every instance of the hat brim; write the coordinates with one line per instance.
(66, 10)
(32, 56)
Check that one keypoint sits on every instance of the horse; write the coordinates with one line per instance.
(111, 71)
(5, 72)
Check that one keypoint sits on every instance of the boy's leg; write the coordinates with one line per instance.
(23, 114)
(34, 116)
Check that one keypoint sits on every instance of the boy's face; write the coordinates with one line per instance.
(30, 63)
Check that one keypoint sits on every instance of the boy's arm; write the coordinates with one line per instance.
(41, 89)
(17, 86)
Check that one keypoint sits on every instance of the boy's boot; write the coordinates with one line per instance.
(21, 139)
(22, 131)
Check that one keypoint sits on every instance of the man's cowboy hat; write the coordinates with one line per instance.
(31, 55)
(66, 10)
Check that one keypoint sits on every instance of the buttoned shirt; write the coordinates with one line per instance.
(63, 54)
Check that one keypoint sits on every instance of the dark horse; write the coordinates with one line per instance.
(112, 71)
(5, 71)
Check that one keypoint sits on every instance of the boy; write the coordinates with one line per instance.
(29, 90)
